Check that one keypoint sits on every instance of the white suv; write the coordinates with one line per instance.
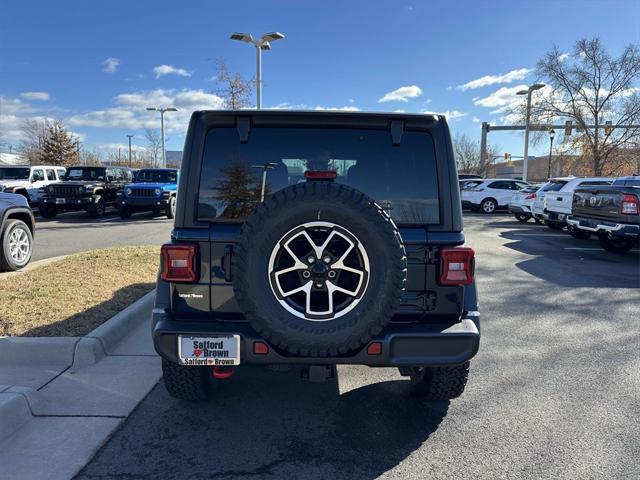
(28, 180)
(490, 194)
(557, 203)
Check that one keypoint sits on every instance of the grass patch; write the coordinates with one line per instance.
(73, 296)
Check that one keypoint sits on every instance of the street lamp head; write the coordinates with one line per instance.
(265, 46)
(243, 37)
(171, 109)
(152, 109)
(522, 92)
(272, 36)
(537, 86)
(552, 133)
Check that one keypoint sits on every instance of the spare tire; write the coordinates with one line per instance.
(319, 269)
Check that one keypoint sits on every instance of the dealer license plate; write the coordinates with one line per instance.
(215, 351)
(61, 200)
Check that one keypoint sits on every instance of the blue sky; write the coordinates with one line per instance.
(336, 54)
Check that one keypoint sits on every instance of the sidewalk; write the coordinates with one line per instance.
(61, 398)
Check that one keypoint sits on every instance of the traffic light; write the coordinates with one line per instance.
(608, 127)
(568, 127)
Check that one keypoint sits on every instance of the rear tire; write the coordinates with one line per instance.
(615, 245)
(488, 206)
(440, 383)
(523, 217)
(185, 383)
(578, 233)
(170, 211)
(554, 225)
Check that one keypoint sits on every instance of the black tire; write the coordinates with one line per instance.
(170, 210)
(97, 207)
(554, 225)
(538, 221)
(488, 206)
(11, 228)
(615, 245)
(440, 383)
(523, 217)
(349, 210)
(48, 211)
(578, 233)
(125, 212)
(186, 382)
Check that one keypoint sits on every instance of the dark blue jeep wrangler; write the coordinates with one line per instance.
(154, 189)
(317, 239)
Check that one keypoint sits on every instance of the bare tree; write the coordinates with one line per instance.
(467, 154)
(91, 157)
(154, 145)
(590, 87)
(233, 88)
(34, 134)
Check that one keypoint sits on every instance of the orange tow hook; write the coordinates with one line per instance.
(222, 373)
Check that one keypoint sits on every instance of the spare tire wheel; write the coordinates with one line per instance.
(319, 269)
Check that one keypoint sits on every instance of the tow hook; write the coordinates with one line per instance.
(222, 373)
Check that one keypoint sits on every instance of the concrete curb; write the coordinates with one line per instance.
(69, 353)
(100, 342)
(32, 266)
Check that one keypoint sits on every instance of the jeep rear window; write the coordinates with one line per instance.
(13, 173)
(84, 174)
(403, 178)
(157, 176)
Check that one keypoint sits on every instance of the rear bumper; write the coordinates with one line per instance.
(519, 209)
(402, 344)
(622, 230)
(555, 216)
(468, 204)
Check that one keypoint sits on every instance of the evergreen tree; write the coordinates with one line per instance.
(239, 191)
(58, 147)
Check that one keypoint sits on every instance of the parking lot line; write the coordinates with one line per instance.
(539, 234)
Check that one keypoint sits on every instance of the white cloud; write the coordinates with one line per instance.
(124, 147)
(501, 97)
(13, 113)
(402, 94)
(449, 88)
(563, 57)
(475, 120)
(42, 96)
(130, 110)
(110, 65)
(348, 108)
(162, 70)
(487, 80)
(451, 115)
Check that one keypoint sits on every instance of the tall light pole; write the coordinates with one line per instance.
(262, 43)
(162, 110)
(552, 134)
(129, 137)
(528, 92)
(264, 167)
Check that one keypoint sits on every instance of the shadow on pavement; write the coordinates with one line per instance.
(270, 424)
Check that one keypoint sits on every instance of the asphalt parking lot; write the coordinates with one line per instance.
(75, 232)
(553, 392)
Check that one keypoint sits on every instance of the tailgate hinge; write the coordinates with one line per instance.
(244, 127)
(430, 255)
(396, 129)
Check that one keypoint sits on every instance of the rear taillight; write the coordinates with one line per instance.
(179, 263)
(456, 266)
(630, 205)
(531, 196)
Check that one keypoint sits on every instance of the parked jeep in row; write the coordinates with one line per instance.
(29, 181)
(89, 188)
(154, 189)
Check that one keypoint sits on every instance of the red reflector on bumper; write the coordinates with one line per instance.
(374, 348)
(260, 348)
